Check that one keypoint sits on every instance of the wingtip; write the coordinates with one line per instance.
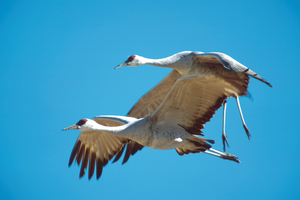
(82, 173)
(266, 82)
(270, 85)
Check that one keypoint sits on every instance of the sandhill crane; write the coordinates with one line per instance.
(194, 63)
(174, 124)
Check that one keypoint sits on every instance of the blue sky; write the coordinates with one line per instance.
(57, 62)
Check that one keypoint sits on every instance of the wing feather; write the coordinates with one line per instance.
(74, 152)
(192, 102)
(96, 147)
(84, 162)
(214, 65)
(92, 164)
(99, 168)
(79, 157)
(200, 145)
(119, 154)
(148, 103)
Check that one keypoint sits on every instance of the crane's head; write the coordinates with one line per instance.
(132, 61)
(83, 124)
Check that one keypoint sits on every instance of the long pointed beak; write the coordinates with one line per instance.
(75, 126)
(120, 65)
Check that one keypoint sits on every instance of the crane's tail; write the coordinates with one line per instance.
(195, 145)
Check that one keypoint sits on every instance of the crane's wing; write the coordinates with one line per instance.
(229, 63)
(212, 66)
(146, 105)
(97, 147)
(192, 102)
(132, 146)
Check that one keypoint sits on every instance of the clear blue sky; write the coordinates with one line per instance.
(56, 66)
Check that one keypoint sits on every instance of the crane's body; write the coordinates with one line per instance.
(175, 124)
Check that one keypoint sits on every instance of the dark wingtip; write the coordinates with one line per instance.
(99, 168)
(126, 157)
(92, 164)
(82, 173)
(263, 80)
(74, 152)
(80, 154)
(119, 154)
(127, 153)
(84, 162)
(268, 84)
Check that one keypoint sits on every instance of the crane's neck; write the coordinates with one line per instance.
(115, 130)
(132, 130)
(178, 62)
(164, 62)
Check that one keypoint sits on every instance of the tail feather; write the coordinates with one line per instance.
(195, 145)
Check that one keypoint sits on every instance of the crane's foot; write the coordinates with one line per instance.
(229, 156)
(226, 156)
(224, 139)
(247, 131)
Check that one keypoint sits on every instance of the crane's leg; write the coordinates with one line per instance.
(226, 156)
(244, 124)
(224, 136)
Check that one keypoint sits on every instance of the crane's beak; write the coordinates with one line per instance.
(75, 126)
(120, 65)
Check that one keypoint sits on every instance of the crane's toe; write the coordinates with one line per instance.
(229, 156)
(225, 141)
(247, 131)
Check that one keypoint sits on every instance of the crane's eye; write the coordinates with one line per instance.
(81, 122)
(131, 58)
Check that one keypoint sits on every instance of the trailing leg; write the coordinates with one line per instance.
(243, 121)
(224, 136)
(226, 156)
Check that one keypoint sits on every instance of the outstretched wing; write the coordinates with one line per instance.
(192, 102)
(146, 105)
(229, 63)
(132, 146)
(213, 66)
(97, 147)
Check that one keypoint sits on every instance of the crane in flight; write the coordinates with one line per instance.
(176, 124)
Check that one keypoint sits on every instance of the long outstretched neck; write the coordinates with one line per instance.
(115, 130)
(169, 62)
(129, 131)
